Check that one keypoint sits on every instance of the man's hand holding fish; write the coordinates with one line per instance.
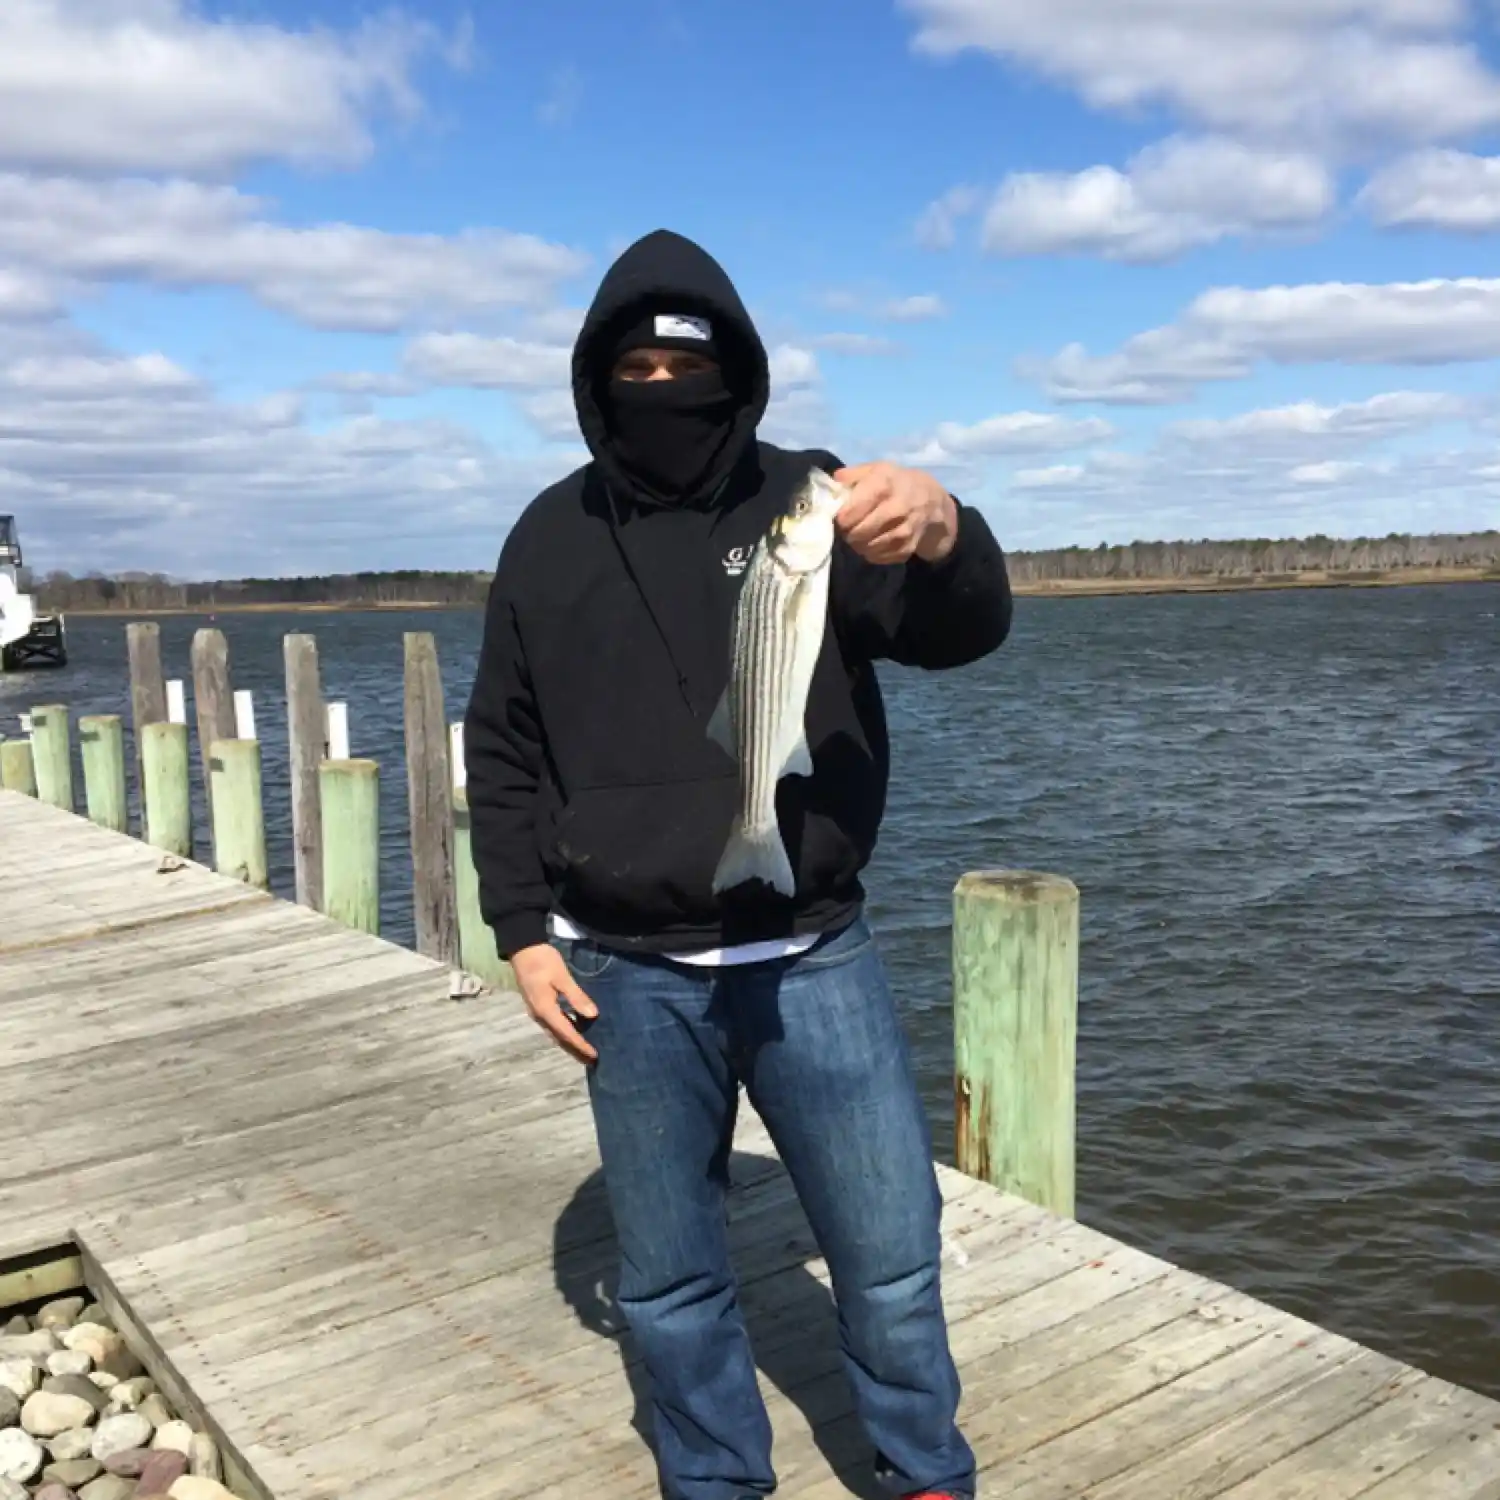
(894, 514)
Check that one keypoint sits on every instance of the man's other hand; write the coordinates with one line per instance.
(545, 982)
(893, 514)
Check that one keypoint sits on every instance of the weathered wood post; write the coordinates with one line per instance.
(1015, 1027)
(166, 790)
(349, 795)
(17, 767)
(429, 783)
(102, 738)
(148, 693)
(213, 700)
(239, 820)
(307, 735)
(52, 755)
(477, 952)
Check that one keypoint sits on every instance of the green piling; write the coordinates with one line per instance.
(349, 798)
(238, 819)
(476, 940)
(102, 737)
(1015, 1027)
(17, 767)
(166, 787)
(52, 755)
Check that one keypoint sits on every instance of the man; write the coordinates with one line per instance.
(601, 806)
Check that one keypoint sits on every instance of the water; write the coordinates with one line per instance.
(1283, 812)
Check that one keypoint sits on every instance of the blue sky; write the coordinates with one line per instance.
(291, 288)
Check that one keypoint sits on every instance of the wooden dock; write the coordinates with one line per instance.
(357, 1226)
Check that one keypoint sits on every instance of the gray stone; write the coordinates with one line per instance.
(13, 1489)
(129, 1464)
(74, 1472)
(125, 1429)
(54, 1491)
(10, 1408)
(35, 1346)
(108, 1487)
(163, 1469)
(104, 1380)
(47, 1413)
(19, 1376)
(203, 1457)
(20, 1323)
(21, 1456)
(155, 1410)
(93, 1313)
(77, 1385)
(69, 1362)
(175, 1435)
(63, 1313)
(94, 1339)
(128, 1394)
(78, 1443)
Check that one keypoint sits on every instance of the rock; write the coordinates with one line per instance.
(175, 1435)
(129, 1463)
(21, 1456)
(94, 1339)
(129, 1394)
(93, 1313)
(102, 1378)
(163, 1469)
(194, 1487)
(125, 1429)
(63, 1313)
(20, 1323)
(121, 1362)
(13, 1489)
(19, 1376)
(10, 1408)
(77, 1385)
(47, 1413)
(75, 1472)
(52, 1491)
(36, 1346)
(155, 1410)
(203, 1457)
(78, 1443)
(108, 1487)
(69, 1362)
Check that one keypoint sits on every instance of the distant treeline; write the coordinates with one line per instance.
(1137, 562)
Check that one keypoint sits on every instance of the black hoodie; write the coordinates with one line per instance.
(594, 789)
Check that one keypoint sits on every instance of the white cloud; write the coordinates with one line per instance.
(553, 415)
(78, 376)
(918, 309)
(154, 86)
(937, 225)
(954, 445)
(1345, 72)
(25, 294)
(564, 95)
(1303, 425)
(467, 359)
(1175, 195)
(855, 344)
(186, 234)
(1437, 189)
(1224, 332)
(791, 367)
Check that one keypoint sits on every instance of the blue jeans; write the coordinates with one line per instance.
(817, 1044)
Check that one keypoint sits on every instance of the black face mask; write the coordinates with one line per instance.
(669, 434)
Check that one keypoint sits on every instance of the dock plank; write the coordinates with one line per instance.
(361, 1227)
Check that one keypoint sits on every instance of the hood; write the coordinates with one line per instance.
(666, 273)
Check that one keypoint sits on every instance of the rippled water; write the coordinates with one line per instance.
(1283, 812)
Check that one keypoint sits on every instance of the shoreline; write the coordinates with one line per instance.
(1061, 588)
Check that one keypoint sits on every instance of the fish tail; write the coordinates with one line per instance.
(755, 854)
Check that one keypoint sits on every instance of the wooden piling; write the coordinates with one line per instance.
(307, 741)
(17, 767)
(148, 693)
(213, 700)
(349, 795)
(1015, 1023)
(239, 822)
(52, 755)
(166, 789)
(102, 739)
(429, 781)
(477, 952)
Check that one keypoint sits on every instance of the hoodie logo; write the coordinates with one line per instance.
(681, 326)
(736, 560)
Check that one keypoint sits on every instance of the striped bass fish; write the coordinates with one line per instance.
(777, 634)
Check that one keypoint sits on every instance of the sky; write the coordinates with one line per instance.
(291, 288)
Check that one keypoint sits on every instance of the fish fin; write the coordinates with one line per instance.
(755, 854)
(721, 727)
(798, 761)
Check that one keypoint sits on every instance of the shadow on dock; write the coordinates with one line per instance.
(789, 1312)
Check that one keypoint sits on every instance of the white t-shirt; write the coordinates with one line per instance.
(709, 958)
